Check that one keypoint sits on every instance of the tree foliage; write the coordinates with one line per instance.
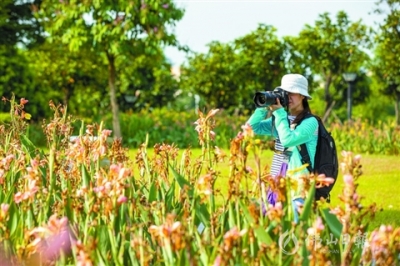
(19, 31)
(330, 48)
(15, 77)
(229, 74)
(95, 53)
(112, 29)
(261, 59)
(148, 80)
(77, 80)
(213, 76)
(386, 64)
(18, 23)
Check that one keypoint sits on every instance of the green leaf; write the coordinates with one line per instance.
(68, 208)
(246, 213)
(204, 256)
(304, 254)
(170, 196)
(288, 260)
(263, 236)
(182, 182)
(28, 145)
(119, 219)
(333, 222)
(231, 216)
(85, 176)
(202, 214)
(14, 219)
(152, 192)
(100, 257)
(307, 208)
(104, 238)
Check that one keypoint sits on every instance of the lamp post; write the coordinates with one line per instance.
(349, 77)
(129, 98)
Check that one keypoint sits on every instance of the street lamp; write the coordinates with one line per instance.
(130, 98)
(349, 77)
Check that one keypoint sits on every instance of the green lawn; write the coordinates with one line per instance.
(379, 183)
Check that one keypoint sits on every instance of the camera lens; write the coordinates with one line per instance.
(263, 99)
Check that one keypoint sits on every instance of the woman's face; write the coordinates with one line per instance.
(295, 102)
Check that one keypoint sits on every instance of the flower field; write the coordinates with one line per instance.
(85, 202)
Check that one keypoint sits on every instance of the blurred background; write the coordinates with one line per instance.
(146, 67)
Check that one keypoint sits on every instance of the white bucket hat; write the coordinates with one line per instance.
(295, 83)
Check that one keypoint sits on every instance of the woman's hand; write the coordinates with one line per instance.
(276, 106)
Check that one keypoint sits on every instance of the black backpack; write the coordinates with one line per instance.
(326, 161)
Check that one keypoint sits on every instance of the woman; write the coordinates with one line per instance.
(288, 136)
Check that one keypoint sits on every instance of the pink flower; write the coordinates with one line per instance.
(247, 130)
(217, 261)
(106, 132)
(219, 154)
(339, 212)
(322, 181)
(51, 240)
(5, 207)
(212, 113)
(18, 197)
(348, 179)
(317, 228)
(204, 184)
(98, 189)
(357, 159)
(122, 199)
(4, 210)
(346, 154)
(231, 237)
(249, 170)
(23, 101)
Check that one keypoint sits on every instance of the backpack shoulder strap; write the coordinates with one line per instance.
(305, 157)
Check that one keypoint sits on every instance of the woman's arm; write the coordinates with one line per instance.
(301, 134)
(259, 124)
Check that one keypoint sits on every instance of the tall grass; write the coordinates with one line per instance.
(358, 136)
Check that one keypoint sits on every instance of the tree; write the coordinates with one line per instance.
(228, 75)
(213, 77)
(18, 23)
(261, 59)
(77, 80)
(112, 29)
(386, 65)
(19, 31)
(148, 80)
(331, 48)
(15, 77)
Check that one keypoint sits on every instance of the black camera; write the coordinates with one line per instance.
(266, 98)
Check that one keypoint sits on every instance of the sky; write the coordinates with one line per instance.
(226, 20)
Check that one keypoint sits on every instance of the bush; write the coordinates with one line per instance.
(166, 126)
(179, 128)
(362, 137)
(5, 118)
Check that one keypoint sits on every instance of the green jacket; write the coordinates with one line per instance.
(306, 133)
